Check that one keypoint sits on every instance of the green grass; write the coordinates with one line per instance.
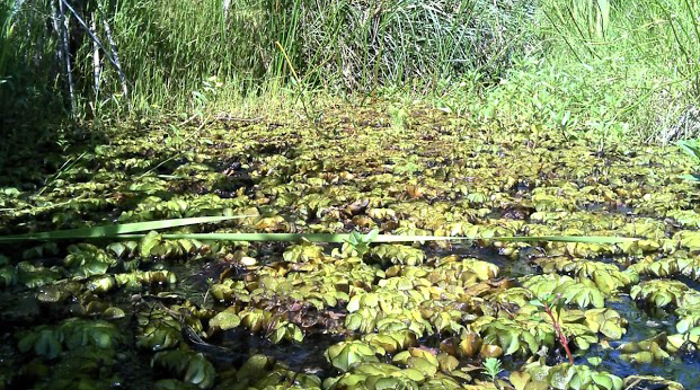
(187, 55)
(5, 36)
(594, 68)
(615, 72)
(640, 62)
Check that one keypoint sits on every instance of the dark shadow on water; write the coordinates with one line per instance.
(682, 368)
(307, 356)
(685, 370)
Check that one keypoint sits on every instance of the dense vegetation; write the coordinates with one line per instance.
(629, 70)
(315, 133)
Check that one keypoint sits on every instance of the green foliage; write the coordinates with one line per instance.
(492, 366)
(7, 14)
(692, 149)
(72, 334)
(359, 243)
(225, 320)
(583, 293)
(193, 367)
(663, 292)
(345, 355)
(568, 376)
(516, 337)
(646, 351)
(565, 377)
(334, 45)
(86, 260)
(602, 39)
(487, 228)
(606, 321)
(158, 331)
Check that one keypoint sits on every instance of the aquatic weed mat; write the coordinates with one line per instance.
(184, 314)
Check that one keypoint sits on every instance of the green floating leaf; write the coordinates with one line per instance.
(595, 361)
(225, 320)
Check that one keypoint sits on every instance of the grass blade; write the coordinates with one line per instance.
(114, 230)
(690, 148)
(695, 178)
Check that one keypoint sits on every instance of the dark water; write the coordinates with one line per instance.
(682, 368)
(307, 356)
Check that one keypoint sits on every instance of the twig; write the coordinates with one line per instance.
(112, 57)
(80, 20)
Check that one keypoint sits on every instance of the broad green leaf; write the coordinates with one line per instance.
(225, 320)
(148, 243)
(602, 380)
(595, 361)
(519, 379)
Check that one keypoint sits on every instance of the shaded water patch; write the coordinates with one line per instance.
(640, 325)
(307, 356)
(682, 367)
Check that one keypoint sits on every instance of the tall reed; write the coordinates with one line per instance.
(184, 54)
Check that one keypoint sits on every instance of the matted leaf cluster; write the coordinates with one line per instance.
(178, 308)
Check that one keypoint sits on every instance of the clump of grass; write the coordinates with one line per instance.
(650, 50)
(6, 16)
(367, 44)
(615, 70)
(30, 92)
(169, 49)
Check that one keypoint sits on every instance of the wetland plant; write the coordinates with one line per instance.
(692, 149)
(549, 304)
(493, 367)
(399, 118)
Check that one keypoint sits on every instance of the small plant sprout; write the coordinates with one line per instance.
(493, 367)
(550, 303)
(399, 118)
(360, 243)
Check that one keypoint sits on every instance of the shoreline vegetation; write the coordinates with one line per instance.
(349, 195)
(625, 71)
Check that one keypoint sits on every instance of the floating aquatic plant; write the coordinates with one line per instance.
(365, 260)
